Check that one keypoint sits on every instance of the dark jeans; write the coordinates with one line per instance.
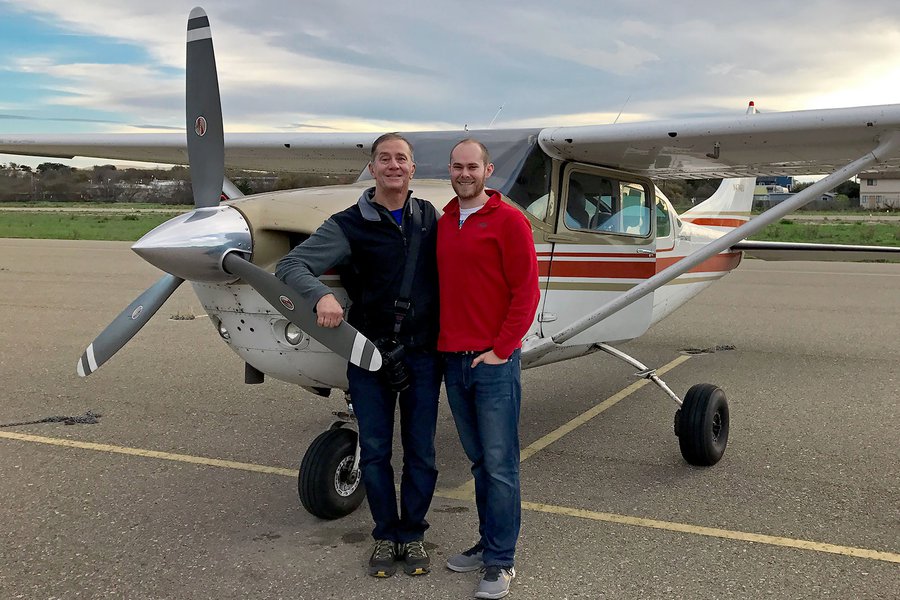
(485, 403)
(374, 404)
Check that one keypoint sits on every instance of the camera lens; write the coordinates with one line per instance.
(398, 378)
(393, 370)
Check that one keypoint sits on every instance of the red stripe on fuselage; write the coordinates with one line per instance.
(715, 222)
(597, 268)
(606, 269)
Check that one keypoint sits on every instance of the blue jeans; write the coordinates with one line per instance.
(485, 404)
(374, 404)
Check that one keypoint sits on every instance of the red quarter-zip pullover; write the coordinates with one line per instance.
(488, 278)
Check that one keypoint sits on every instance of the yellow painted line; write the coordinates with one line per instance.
(185, 458)
(456, 495)
(467, 489)
(715, 532)
(592, 412)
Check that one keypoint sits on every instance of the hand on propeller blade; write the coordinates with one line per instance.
(342, 339)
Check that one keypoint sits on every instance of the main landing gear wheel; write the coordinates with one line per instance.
(701, 425)
(329, 488)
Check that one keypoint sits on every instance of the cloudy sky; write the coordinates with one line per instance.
(356, 65)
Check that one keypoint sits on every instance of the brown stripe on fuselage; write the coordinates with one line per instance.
(608, 269)
(719, 262)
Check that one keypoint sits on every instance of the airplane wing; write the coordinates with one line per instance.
(808, 142)
(787, 143)
(817, 252)
(330, 153)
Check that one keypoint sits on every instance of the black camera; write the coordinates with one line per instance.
(393, 370)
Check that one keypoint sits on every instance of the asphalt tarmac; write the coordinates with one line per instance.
(186, 487)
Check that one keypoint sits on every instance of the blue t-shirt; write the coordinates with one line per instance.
(398, 215)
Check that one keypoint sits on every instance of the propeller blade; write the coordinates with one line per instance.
(205, 135)
(128, 323)
(344, 340)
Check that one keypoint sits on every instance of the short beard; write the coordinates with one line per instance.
(477, 192)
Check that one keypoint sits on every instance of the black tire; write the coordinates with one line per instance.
(701, 425)
(327, 488)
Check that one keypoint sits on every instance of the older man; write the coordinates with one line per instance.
(368, 243)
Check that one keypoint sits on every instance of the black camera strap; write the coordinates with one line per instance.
(403, 303)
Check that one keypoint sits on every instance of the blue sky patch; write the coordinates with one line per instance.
(23, 35)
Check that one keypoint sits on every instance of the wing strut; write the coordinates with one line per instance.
(537, 347)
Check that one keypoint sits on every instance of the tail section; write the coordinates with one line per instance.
(727, 208)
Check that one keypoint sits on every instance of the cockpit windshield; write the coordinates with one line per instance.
(521, 169)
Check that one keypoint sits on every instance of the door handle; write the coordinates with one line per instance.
(562, 237)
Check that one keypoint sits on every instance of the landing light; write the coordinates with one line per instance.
(293, 334)
(223, 332)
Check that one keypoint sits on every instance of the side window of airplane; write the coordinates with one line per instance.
(663, 224)
(531, 189)
(601, 204)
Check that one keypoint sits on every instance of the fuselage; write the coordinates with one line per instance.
(576, 275)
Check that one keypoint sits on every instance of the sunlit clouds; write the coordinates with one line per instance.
(354, 66)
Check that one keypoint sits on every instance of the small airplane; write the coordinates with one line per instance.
(614, 256)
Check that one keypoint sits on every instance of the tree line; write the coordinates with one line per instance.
(51, 181)
(57, 182)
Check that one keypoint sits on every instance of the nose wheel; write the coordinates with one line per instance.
(330, 481)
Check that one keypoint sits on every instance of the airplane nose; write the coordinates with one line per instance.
(192, 246)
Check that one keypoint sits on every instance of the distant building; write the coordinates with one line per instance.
(769, 189)
(780, 180)
(879, 191)
(766, 200)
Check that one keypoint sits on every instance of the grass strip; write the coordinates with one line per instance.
(75, 226)
(858, 232)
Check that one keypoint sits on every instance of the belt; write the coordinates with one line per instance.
(470, 352)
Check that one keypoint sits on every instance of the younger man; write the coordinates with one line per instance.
(487, 268)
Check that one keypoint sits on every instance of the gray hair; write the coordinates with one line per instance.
(386, 137)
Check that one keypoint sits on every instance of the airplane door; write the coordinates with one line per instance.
(602, 246)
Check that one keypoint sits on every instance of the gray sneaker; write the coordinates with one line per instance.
(466, 561)
(495, 582)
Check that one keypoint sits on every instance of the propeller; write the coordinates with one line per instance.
(171, 248)
(207, 147)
